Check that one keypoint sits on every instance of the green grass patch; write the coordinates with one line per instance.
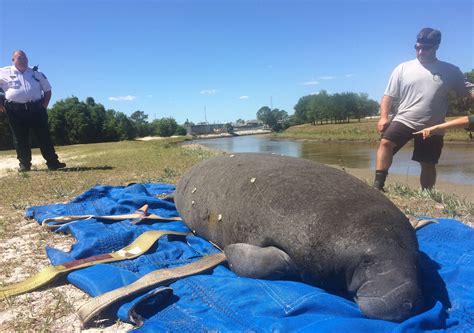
(117, 163)
(449, 204)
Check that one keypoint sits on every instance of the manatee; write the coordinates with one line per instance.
(283, 217)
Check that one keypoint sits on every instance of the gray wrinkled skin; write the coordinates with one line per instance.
(338, 233)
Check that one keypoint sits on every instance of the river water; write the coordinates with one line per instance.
(456, 164)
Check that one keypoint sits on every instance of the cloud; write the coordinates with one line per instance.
(350, 75)
(309, 83)
(328, 77)
(122, 98)
(209, 92)
(244, 97)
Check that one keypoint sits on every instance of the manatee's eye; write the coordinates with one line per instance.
(367, 262)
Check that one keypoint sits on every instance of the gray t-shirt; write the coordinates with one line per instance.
(422, 91)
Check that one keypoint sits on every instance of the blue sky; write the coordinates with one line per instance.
(223, 60)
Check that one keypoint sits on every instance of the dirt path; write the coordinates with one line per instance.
(9, 163)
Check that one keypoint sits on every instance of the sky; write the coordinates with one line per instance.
(219, 61)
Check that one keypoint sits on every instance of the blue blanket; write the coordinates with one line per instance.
(221, 301)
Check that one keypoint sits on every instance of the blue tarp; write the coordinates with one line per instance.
(221, 301)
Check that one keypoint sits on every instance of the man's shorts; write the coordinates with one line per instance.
(427, 150)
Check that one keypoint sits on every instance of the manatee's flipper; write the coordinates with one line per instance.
(260, 262)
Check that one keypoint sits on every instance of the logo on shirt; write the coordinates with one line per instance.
(437, 77)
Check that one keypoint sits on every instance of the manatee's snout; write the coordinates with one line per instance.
(389, 293)
(396, 305)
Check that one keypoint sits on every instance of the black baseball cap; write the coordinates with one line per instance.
(429, 36)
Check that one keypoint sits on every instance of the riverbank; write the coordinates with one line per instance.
(464, 192)
(365, 130)
(227, 135)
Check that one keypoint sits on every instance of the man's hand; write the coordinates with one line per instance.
(382, 124)
(2, 108)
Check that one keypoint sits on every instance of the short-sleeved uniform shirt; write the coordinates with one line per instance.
(23, 87)
(422, 91)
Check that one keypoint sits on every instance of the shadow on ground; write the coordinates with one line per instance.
(75, 169)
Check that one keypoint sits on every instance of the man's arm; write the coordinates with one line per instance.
(46, 98)
(385, 106)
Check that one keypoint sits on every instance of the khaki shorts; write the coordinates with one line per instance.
(426, 151)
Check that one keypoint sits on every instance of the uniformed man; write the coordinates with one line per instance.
(27, 95)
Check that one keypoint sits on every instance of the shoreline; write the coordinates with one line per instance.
(462, 191)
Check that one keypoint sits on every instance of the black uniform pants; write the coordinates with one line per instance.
(33, 117)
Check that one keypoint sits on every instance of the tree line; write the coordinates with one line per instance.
(72, 121)
(319, 108)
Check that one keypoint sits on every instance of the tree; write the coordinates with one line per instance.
(68, 122)
(229, 128)
(275, 119)
(264, 115)
(125, 128)
(165, 126)
(458, 106)
(180, 130)
(188, 123)
(140, 121)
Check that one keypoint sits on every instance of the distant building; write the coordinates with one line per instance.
(248, 125)
(204, 128)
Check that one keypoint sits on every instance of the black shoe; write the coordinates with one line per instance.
(24, 168)
(57, 165)
(378, 186)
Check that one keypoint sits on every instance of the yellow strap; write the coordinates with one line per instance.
(139, 246)
(93, 308)
(136, 217)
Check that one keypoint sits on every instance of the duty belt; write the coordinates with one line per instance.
(22, 106)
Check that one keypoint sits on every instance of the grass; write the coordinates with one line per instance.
(432, 203)
(365, 130)
(22, 242)
(105, 163)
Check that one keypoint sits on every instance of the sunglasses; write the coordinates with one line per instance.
(423, 47)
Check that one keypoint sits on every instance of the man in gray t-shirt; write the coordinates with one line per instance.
(421, 88)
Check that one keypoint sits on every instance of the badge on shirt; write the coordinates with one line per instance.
(437, 77)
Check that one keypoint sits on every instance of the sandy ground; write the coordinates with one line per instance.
(9, 163)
